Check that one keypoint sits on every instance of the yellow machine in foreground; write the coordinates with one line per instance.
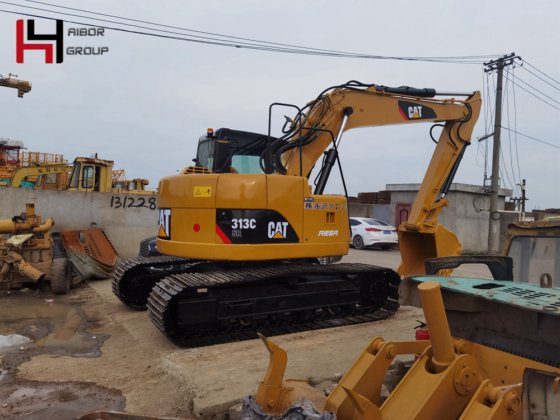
(249, 229)
(493, 353)
(453, 378)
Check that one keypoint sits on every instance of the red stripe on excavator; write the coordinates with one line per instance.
(222, 235)
(403, 114)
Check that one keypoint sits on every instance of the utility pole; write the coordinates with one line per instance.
(494, 221)
(523, 197)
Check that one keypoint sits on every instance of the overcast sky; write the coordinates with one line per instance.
(145, 103)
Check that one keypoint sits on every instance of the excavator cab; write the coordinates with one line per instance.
(231, 151)
(91, 174)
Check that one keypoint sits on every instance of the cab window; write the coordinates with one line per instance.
(74, 178)
(88, 175)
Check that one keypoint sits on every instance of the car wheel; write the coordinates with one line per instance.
(358, 242)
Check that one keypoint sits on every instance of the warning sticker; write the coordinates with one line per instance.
(202, 191)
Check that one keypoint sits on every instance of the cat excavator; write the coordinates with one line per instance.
(242, 231)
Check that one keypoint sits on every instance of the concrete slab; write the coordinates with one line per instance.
(223, 374)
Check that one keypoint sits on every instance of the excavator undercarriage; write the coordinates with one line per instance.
(210, 302)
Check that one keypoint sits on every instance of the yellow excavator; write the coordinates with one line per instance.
(85, 174)
(242, 231)
(48, 176)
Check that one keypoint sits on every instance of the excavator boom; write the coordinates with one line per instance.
(348, 107)
(24, 172)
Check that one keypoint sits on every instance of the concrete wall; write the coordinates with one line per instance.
(466, 215)
(125, 225)
(359, 210)
(382, 212)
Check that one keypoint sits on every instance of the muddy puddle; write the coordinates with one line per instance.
(50, 326)
(36, 324)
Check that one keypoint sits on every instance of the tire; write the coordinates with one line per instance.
(61, 278)
(358, 242)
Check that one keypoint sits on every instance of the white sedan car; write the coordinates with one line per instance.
(370, 232)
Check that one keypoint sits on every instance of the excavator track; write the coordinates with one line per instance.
(235, 303)
(134, 278)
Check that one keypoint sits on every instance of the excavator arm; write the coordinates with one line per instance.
(323, 121)
(34, 171)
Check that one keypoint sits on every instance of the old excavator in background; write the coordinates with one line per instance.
(94, 174)
(242, 230)
(44, 177)
(85, 174)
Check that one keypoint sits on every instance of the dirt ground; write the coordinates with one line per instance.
(88, 351)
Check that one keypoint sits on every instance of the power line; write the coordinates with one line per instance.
(541, 72)
(488, 119)
(508, 116)
(534, 88)
(258, 45)
(478, 145)
(532, 138)
(540, 78)
(511, 180)
(536, 96)
(171, 26)
(497, 65)
(504, 174)
(181, 38)
(134, 26)
(229, 36)
(515, 128)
